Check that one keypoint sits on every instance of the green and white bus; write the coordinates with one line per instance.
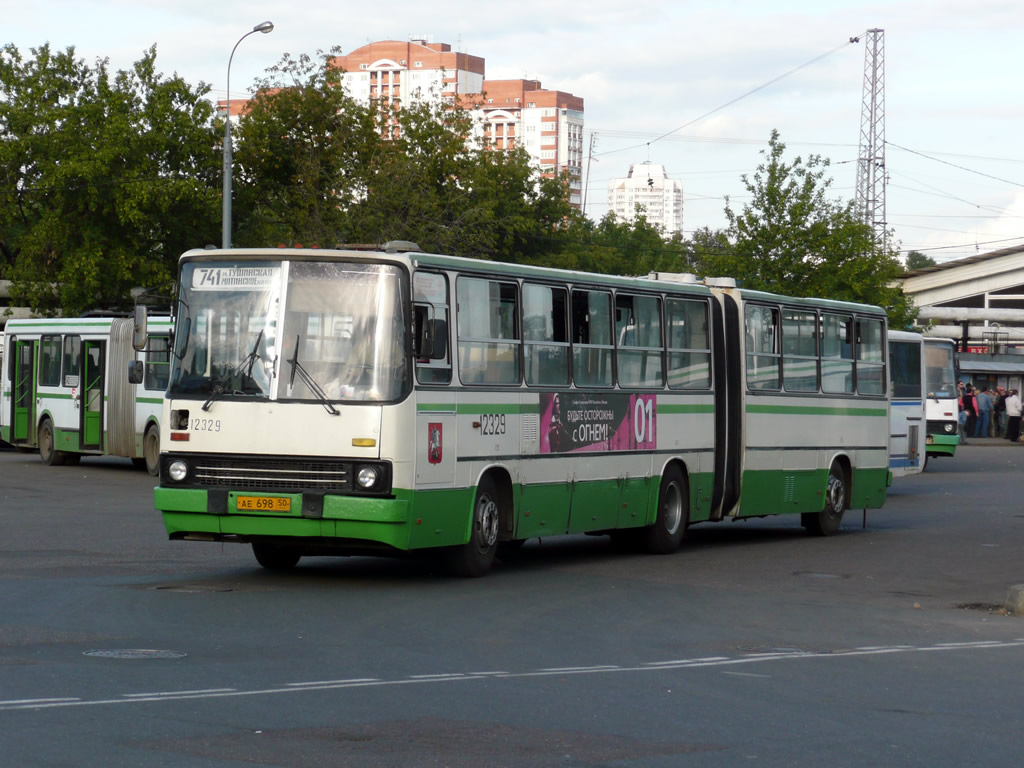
(65, 388)
(942, 410)
(340, 402)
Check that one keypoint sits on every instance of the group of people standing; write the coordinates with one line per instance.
(989, 413)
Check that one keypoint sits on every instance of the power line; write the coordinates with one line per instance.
(733, 101)
(954, 165)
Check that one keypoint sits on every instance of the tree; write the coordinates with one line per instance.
(303, 150)
(918, 260)
(318, 168)
(792, 239)
(104, 180)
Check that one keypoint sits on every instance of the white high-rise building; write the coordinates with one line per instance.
(648, 185)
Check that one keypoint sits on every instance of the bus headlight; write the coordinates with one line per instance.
(367, 477)
(177, 470)
(949, 429)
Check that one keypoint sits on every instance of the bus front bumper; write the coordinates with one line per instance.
(440, 518)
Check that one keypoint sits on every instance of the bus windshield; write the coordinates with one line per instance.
(248, 330)
(939, 370)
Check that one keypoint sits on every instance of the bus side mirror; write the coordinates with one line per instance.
(136, 372)
(431, 340)
(139, 330)
(439, 339)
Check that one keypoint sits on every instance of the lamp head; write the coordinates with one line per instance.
(266, 27)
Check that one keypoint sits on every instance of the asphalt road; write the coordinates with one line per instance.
(754, 645)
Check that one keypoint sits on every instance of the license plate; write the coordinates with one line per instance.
(264, 503)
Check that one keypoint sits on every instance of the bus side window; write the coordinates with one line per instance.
(49, 361)
(870, 364)
(430, 297)
(762, 342)
(592, 338)
(72, 361)
(689, 348)
(158, 363)
(546, 342)
(489, 338)
(836, 354)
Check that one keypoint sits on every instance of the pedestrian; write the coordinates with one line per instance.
(971, 408)
(999, 412)
(983, 404)
(1012, 416)
(961, 413)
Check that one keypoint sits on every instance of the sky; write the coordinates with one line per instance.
(694, 86)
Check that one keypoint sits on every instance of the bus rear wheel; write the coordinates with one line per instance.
(475, 557)
(827, 522)
(47, 445)
(275, 557)
(669, 528)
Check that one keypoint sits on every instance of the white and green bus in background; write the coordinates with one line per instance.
(65, 388)
(942, 409)
(907, 438)
(346, 402)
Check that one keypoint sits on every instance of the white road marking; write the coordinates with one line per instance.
(177, 693)
(34, 701)
(337, 682)
(714, 661)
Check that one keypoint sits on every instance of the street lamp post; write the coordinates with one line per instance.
(265, 28)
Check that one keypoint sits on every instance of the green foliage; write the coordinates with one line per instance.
(104, 179)
(792, 239)
(317, 168)
(918, 260)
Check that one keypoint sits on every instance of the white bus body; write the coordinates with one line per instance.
(327, 402)
(942, 409)
(64, 389)
(906, 403)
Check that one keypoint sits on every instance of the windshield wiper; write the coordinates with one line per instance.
(309, 381)
(219, 386)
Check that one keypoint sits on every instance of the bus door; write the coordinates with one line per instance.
(23, 416)
(93, 379)
(727, 360)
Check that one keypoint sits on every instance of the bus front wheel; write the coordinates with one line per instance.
(475, 557)
(827, 522)
(151, 450)
(275, 557)
(47, 445)
(666, 534)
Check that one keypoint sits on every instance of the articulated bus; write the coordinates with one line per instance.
(348, 402)
(941, 407)
(65, 389)
(907, 450)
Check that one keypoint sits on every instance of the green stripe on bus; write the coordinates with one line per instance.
(510, 408)
(151, 400)
(814, 410)
(666, 408)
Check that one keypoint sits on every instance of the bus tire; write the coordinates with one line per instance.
(827, 522)
(669, 528)
(475, 557)
(275, 557)
(151, 450)
(47, 445)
